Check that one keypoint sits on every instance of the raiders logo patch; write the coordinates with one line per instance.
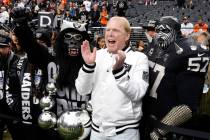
(193, 47)
(145, 76)
(76, 25)
(151, 51)
(127, 67)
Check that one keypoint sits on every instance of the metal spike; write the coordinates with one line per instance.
(179, 50)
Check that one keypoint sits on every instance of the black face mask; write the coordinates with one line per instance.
(73, 42)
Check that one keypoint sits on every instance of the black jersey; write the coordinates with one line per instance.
(177, 76)
(17, 92)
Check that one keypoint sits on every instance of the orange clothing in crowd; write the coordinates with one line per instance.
(200, 27)
(63, 2)
(104, 18)
(6, 2)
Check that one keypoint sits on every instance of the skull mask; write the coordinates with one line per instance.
(73, 41)
(71, 36)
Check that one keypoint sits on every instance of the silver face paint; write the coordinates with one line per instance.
(165, 35)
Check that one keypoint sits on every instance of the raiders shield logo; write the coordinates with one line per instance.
(121, 5)
(76, 25)
(193, 47)
(145, 76)
(127, 67)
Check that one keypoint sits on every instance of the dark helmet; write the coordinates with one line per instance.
(151, 25)
(171, 21)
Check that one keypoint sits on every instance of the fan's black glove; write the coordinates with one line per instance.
(20, 15)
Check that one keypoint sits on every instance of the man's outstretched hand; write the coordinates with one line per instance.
(120, 58)
(88, 55)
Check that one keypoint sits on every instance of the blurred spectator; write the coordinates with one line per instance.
(201, 25)
(106, 3)
(16, 46)
(189, 4)
(186, 27)
(67, 15)
(140, 45)
(94, 16)
(83, 14)
(150, 30)
(58, 19)
(19, 3)
(202, 38)
(104, 16)
(121, 7)
(61, 6)
(52, 6)
(4, 15)
(100, 42)
(73, 9)
(36, 8)
(181, 3)
(43, 6)
(150, 33)
(87, 4)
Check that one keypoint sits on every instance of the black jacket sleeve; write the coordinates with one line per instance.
(37, 54)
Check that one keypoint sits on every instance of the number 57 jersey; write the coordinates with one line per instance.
(177, 76)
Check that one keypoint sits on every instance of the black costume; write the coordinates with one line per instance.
(18, 107)
(177, 72)
(63, 68)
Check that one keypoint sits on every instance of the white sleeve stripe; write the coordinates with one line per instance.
(120, 73)
(88, 69)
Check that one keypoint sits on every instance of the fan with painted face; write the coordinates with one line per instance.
(71, 36)
(67, 49)
(167, 31)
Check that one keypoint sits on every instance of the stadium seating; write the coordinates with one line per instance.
(138, 13)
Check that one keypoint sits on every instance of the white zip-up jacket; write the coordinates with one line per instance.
(116, 95)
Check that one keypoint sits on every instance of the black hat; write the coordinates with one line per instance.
(75, 26)
(4, 38)
(171, 21)
(151, 25)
